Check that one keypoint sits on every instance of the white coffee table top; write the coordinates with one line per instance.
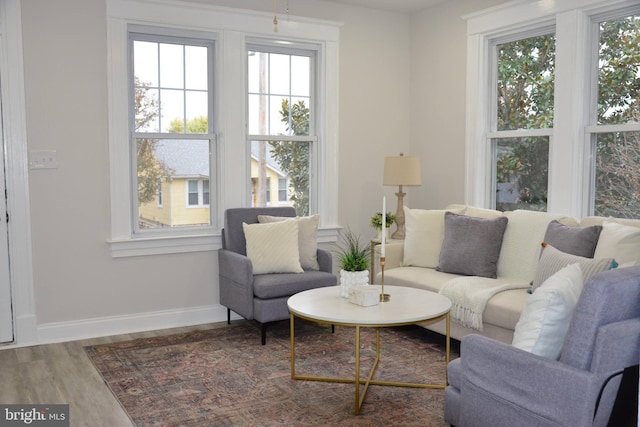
(406, 306)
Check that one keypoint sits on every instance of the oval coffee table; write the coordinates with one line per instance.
(406, 306)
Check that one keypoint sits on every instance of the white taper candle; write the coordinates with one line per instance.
(384, 224)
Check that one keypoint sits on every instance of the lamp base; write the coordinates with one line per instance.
(399, 234)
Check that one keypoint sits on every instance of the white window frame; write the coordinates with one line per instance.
(292, 48)
(570, 155)
(232, 28)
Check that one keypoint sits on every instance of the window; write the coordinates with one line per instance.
(568, 142)
(281, 121)
(219, 149)
(615, 136)
(282, 189)
(524, 122)
(172, 115)
(198, 193)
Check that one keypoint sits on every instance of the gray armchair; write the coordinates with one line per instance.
(262, 297)
(494, 384)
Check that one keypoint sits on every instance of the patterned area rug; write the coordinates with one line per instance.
(224, 377)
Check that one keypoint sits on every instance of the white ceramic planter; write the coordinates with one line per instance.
(352, 278)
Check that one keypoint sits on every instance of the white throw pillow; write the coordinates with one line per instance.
(273, 247)
(307, 237)
(424, 233)
(546, 316)
(619, 241)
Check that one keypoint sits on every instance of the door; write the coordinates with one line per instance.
(6, 310)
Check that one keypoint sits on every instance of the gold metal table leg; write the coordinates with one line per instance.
(357, 381)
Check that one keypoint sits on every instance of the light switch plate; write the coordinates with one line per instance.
(43, 159)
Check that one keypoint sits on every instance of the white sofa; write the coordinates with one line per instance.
(415, 261)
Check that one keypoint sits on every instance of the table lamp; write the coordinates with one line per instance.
(401, 170)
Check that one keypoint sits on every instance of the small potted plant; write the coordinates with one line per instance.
(376, 222)
(353, 258)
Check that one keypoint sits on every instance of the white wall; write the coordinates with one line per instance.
(79, 289)
(401, 90)
(438, 74)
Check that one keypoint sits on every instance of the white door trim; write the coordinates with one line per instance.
(17, 175)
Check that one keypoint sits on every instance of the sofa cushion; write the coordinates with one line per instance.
(471, 245)
(619, 241)
(307, 237)
(553, 260)
(416, 277)
(273, 247)
(545, 319)
(424, 233)
(521, 243)
(579, 241)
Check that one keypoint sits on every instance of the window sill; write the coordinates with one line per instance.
(164, 245)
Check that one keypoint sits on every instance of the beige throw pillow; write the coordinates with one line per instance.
(619, 241)
(273, 247)
(424, 234)
(307, 237)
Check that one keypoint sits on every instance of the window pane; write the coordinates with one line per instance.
(172, 111)
(619, 71)
(522, 166)
(146, 62)
(197, 112)
(258, 71)
(195, 62)
(617, 182)
(146, 108)
(282, 190)
(280, 73)
(205, 192)
(300, 68)
(281, 160)
(525, 83)
(171, 66)
(176, 162)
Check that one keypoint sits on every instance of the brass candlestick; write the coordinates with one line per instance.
(383, 297)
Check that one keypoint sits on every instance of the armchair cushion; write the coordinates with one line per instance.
(307, 237)
(273, 247)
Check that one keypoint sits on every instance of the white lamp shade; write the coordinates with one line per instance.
(402, 170)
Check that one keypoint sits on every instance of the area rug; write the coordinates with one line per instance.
(224, 377)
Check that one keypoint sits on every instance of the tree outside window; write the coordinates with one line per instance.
(525, 71)
(617, 147)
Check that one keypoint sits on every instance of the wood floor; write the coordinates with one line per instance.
(62, 373)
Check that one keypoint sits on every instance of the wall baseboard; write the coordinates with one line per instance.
(114, 325)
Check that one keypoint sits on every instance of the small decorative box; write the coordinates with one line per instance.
(365, 296)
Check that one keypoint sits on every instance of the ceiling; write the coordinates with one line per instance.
(404, 6)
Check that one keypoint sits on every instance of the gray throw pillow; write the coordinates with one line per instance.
(471, 245)
(580, 241)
